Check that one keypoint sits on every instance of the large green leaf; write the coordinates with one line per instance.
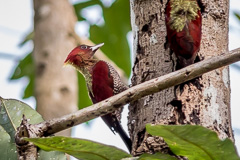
(6, 121)
(11, 112)
(82, 149)
(156, 156)
(114, 34)
(25, 68)
(195, 142)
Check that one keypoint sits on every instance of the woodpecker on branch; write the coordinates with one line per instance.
(102, 81)
(184, 23)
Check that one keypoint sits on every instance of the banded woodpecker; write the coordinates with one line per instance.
(102, 81)
(184, 23)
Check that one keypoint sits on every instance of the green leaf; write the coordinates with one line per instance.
(27, 38)
(11, 111)
(195, 142)
(82, 149)
(237, 15)
(7, 148)
(11, 115)
(44, 155)
(156, 156)
(25, 68)
(29, 90)
(79, 6)
(6, 121)
(113, 33)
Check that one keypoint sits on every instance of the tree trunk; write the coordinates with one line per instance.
(55, 87)
(206, 104)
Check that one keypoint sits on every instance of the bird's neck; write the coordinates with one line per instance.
(86, 71)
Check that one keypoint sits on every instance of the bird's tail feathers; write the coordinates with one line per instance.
(115, 126)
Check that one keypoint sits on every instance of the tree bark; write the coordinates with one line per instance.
(55, 87)
(206, 102)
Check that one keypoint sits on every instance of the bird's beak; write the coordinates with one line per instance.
(96, 47)
(65, 63)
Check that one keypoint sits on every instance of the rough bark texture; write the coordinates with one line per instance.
(55, 86)
(204, 101)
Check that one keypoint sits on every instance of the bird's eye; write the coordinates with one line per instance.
(83, 47)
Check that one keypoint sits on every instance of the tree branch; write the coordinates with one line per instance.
(136, 92)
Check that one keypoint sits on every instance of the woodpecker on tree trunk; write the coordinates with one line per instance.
(102, 81)
(184, 23)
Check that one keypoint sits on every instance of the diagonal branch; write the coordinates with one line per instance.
(136, 92)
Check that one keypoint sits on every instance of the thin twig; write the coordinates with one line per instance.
(136, 92)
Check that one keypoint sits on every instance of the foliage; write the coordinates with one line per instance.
(11, 112)
(113, 33)
(156, 156)
(195, 142)
(25, 68)
(79, 148)
(237, 15)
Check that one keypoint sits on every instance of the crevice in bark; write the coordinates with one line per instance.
(64, 90)
(195, 82)
(140, 137)
(194, 116)
(140, 50)
(180, 117)
(151, 144)
(198, 59)
(148, 26)
(40, 69)
(146, 74)
(145, 28)
(166, 44)
(202, 7)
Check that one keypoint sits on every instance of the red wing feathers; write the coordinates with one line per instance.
(102, 81)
